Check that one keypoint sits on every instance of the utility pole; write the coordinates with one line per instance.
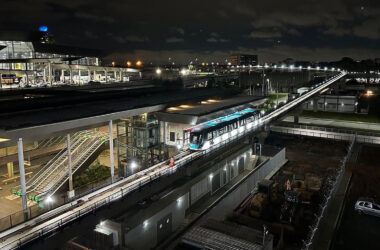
(277, 93)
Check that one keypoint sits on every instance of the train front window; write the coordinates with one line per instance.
(195, 138)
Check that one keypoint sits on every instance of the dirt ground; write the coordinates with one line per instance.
(307, 156)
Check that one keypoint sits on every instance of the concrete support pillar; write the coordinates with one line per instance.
(20, 149)
(165, 124)
(71, 77)
(111, 151)
(63, 75)
(79, 77)
(10, 169)
(121, 75)
(89, 75)
(44, 74)
(50, 74)
(106, 74)
(315, 103)
(70, 193)
(1, 80)
(296, 118)
(114, 76)
(26, 70)
(95, 75)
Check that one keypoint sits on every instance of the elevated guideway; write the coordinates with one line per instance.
(328, 133)
(59, 217)
(56, 172)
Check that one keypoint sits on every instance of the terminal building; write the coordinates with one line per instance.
(244, 60)
(36, 60)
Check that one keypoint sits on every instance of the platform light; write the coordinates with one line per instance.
(49, 199)
(139, 63)
(133, 165)
(129, 63)
(308, 67)
(158, 71)
(179, 201)
(211, 176)
(183, 72)
(318, 67)
(146, 224)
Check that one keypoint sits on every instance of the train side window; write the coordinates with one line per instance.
(235, 125)
(221, 131)
(209, 136)
(215, 134)
(225, 129)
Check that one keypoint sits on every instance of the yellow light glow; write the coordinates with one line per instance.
(113, 64)
(129, 63)
(369, 92)
(173, 108)
(185, 106)
(212, 100)
(204, 102)
(3, 139)
(139, 63)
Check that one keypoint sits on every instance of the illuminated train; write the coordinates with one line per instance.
(212, 132)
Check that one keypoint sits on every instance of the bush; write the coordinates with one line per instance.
(94, 172)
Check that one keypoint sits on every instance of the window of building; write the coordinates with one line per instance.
(172, 136)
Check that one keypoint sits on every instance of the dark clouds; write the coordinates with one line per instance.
(185, 30)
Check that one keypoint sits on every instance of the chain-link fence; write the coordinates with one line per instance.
(329, 192)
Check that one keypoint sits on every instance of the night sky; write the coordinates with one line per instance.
(209, 30)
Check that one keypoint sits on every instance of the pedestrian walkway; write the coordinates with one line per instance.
(336, 123)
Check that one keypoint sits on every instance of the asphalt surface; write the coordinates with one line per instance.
(361, 231)
(357, 231)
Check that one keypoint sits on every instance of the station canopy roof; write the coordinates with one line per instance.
(66, 50)
(206, 110)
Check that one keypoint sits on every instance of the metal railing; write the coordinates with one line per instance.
(328, 133)
(333, 183)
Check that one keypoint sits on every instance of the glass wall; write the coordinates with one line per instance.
(139, 144)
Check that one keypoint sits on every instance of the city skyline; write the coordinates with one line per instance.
(213, 30)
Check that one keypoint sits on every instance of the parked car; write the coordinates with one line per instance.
(367, 206)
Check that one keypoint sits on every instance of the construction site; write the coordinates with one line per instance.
(286, 204)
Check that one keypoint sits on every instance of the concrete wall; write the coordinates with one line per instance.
(236, 196)
(145, 235)
(177, 129)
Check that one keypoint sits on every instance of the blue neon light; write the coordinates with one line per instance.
(229, 117)
(193, 146)
(43, 28)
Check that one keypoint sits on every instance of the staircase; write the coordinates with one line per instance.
(56, 172)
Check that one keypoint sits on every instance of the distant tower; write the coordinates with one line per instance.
(45, 37)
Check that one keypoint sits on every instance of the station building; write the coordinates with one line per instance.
(34, 62)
